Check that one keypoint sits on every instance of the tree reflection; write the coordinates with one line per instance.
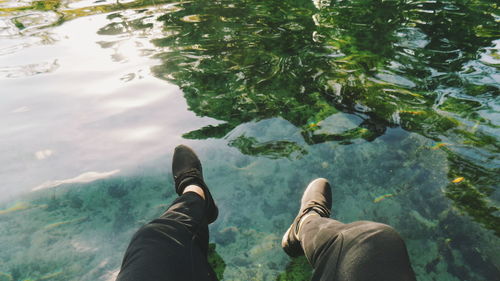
(253, 61)
(390, 63)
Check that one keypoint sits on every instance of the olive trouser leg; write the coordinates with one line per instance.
(359, 251)
(172, 247)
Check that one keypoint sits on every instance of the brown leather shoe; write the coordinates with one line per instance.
(318, 198)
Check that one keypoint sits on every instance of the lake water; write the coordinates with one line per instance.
(395, 102)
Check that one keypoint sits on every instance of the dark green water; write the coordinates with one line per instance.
(396, 102)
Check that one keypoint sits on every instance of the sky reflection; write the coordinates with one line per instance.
(83, 178)
(90, 113)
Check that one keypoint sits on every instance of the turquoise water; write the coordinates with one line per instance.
(396, 102)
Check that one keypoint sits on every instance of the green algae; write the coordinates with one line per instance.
(475, 203)
(18, 24)
(19, 206)
(472, 195)
(298, 269)
(252, 251)
(61, 223)
(216, 262)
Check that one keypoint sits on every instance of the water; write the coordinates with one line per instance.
(396, 102)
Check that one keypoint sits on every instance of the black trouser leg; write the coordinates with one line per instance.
(172, 247)
(359, 251)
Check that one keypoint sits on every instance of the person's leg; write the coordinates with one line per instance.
(174, 246)
(357, 251)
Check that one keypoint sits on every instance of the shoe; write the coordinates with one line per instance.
(186, 169)
(318, 198)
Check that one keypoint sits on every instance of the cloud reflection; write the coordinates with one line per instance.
(135, 101)
(21, 109)
(139, 134)
(42, 154)
(83, 178)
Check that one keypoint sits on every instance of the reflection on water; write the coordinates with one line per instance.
(85, 177)
(391, 64)
(395, 101)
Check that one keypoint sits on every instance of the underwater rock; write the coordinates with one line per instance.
(243, 162)
(5, 277)
(272, 265)
(226, 236)
(75, 202)
(431, 266)
(426, 222)
(240, 261)
(268, 243)
(117, 191)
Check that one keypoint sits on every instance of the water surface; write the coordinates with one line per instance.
(396, 102)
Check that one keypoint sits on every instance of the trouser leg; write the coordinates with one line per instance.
(359, 251)
(172, 247)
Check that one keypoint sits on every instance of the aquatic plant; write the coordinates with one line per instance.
(216, 262)
(470, 189)
(298, 269)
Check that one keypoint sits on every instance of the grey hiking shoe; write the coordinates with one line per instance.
(318, 198)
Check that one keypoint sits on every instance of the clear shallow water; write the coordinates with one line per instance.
(392, 101)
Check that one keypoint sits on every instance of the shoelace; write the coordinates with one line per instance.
(191, 173)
